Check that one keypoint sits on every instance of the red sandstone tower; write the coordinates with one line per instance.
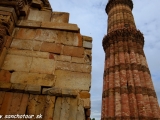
(128, 91)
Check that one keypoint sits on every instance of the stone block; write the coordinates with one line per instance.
(65, 108)
(40, 65)
(73, 51)
(73, 80)
(80, 110)
(5, 86)
(77, 60)
(28, 23)
(63, 58)
(87, 103)
(52, 91)
(33, 79)
(58, 107)
(22, 44)
(33, 89)
(28, 53)
(2, 55)
(60, 65)
(18, 87)
(49, 108)
(73, 109)
(17, 63)
(84, 94)
(87, 44)
(87, 56)
(37, 4)
(38, 15)
(5, 76)
(69, 38)
(51, 47)
(87, 38)
(69, 93)
(60, 26)
(60, 17)
(25, 33)
(47, 35)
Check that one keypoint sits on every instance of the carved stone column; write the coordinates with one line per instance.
(128, 92)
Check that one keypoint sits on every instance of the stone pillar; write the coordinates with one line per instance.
(128, 92)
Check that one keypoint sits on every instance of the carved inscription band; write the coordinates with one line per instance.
(129, 90)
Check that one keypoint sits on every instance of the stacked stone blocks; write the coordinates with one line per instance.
(45, 63)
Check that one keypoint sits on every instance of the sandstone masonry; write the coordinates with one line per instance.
(45, 62)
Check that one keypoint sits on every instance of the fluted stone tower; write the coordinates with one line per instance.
(128, 91)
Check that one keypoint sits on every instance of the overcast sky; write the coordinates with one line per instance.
(91, 18)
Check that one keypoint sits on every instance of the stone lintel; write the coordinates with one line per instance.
(60, 26)
(60, 92)
(48, 25)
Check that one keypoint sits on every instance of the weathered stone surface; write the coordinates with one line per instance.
(60, 17)
(69, 93)
(87, 56)
(39, 15)
(84, 94)
(60, 26)
(40, 65)
(26, 44)
(69, 38)
(33, 89)
(28, 53)
(73, 51)
(17, 63)
(5, 86)
(87, 44)
(73, 67)
(28, 23)
(2, 56)
(47, 35)
(33, 78)
(80, 110)
(25, 33)
(22, 44)
(18, 87)
(87, 103)
(87, 38)
(51, 47)
(73, 109)
(73, 80)
(5, 76)
(58, 107)
(65, 108)
(49, 108)
(63, 58)
(52, 91)
(77, 60)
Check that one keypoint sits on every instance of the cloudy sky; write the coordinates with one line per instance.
(91, 18)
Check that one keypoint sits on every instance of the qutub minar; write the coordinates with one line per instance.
(128, 91)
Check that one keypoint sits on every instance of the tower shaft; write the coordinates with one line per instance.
(128, 91)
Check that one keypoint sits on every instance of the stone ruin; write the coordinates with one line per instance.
(45, 63)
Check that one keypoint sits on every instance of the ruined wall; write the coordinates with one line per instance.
(45, 63)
